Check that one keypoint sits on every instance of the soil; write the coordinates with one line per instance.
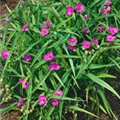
(12, 115)
(114, 102)
(3, 10)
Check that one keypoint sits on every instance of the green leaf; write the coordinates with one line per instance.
(105, 75)
(8, 108)
(41, 81)
(58, 78)
(75, 108)
(102, 83)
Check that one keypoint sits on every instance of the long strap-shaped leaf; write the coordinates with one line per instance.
(81, 110)
(41, 81)
(102, 83)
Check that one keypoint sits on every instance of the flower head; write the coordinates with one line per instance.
(107, 3)
(42, 100)
(113, 30)
(25, 27)
(5, 54)
(85, 16)
(103, 10)
(110, 38)
(79, 7)
(55, 102)
(100, 28)
(95, 41)
(44, 31)
(73, 40)
(49, 56)
(25, 84)
(6, 37)
(86, 31)
(21, 80)
(7, 19)
(27, 57)
(58, 93)
(69, 10)
(20, 102)
(22, 3)
(106, 10)
(86, 44)
(54, 66)
(72, 48)
(47, 23)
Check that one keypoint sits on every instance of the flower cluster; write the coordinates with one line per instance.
(112, 31)
(25, 84)
(43, 100)
(79, 8)
(71, 44)
(45, 31)
(49, 57)
(107, 9)
(55, 102)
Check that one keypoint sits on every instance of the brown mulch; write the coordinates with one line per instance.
(12, 115)
(3, 10)
(10, 3)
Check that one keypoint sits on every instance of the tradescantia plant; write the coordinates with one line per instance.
(56, 55)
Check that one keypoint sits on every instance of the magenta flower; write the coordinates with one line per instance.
(110, 38)
(85, 16)
(106, 10)
(56, 102)
(42, 100)
(107, 3)
(20, 102)
(113, 30)
(95, 41)
(58, 93)
(86, 44)
(5, 54)
(25, 85)
(86, 31)
(54, 66)
(7, 19)
(47, 23)
(103, 10)
(100, 28)
(49, 56)
(79, 7)
(25, 27)
(44, 31)
(22, 3)
(6, 37)
(21, 80)
(69, 10)
(27, 57)
(72, 48)
(73, 40)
